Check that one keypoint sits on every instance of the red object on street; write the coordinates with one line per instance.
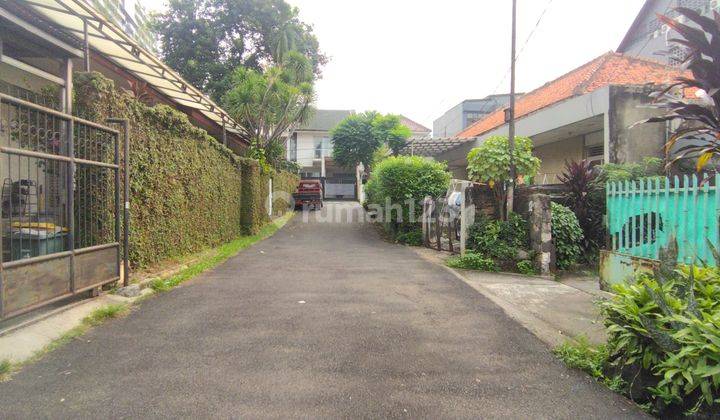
(309, 193)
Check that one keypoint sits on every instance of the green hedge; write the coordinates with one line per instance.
(188, 191)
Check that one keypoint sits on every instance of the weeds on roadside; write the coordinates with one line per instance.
(101, 314)
(5, 367)
(472, 261)
(591, 359)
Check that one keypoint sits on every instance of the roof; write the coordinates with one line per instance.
(325, 119)
(413, 126)
(608, 69)
(114, 44)
(647, 6)
(433, 146)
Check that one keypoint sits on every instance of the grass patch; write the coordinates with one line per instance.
(591, 359)
(472, 261)
(5, 367)
(101, 314)
(222, 253)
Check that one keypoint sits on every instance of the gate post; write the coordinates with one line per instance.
(541, 233)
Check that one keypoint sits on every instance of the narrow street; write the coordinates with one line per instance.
(324, 319)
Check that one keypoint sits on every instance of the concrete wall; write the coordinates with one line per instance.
(554, 155)
(628, 106)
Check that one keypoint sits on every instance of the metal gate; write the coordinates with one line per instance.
(341, 187)
(60, 205)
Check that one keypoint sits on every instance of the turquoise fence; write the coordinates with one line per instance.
(643, 215)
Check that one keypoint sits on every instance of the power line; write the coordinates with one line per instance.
(517, 55)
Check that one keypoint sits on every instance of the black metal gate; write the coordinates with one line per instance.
(60, 205)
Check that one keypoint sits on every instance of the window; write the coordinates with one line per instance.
(292, 148)
(473, 117)
(322, 146)
(676, 56)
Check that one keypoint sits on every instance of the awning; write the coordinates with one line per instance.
(433, 146)
(123, 50)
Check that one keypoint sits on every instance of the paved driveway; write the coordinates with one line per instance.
(322, 320)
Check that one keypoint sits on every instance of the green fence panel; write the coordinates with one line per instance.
(643, 215)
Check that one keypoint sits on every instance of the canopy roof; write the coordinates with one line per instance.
(433, 146)
(113, 43)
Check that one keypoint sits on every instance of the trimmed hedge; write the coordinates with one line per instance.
(188, 191)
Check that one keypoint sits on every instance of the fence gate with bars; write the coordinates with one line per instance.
(60, 205)
(643, 216)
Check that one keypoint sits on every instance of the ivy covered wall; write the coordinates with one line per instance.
(188, 191)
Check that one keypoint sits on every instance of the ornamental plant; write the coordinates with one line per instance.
(490, 163)
(700, 119)
(664, 338)
(585, 196)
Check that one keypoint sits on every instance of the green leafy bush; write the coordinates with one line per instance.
(499, 239)
(566, 235)
(526, 267)
(412, 237)
(649, 167)
(472, 261)
(403, 182)
(664, 338)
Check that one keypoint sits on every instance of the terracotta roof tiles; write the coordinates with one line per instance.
(608, 69)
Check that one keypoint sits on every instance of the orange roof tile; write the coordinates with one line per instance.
(608, 69)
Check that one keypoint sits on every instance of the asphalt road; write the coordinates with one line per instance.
(324, 319)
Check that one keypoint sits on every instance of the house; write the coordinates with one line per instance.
(648, 37)
(417, 130)
(466, 113)
(584, 114)
(310, 147)
(41, 41)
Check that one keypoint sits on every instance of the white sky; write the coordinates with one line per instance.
(419, 58)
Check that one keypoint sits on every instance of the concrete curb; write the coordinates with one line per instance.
(546, 332)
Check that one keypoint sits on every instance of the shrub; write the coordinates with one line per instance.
(591, 359)
(526, 267)
(405, 181)
(650, 167)
(413, 237)
(664, 335)
(566, 235)
(472, 261)
(499, 239)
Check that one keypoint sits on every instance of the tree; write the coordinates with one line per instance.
(206, 40)
(700, 129)
(270, 104)
(390, 131)
(490, 162)
(358, 136)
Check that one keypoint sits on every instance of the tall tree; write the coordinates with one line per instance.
(270, 104)
(357, 137)
(206, 40)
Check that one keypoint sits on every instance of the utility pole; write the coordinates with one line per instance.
(511, 117)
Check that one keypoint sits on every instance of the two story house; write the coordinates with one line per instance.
(310, 147)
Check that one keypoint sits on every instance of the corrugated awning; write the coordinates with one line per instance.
(123, 50)
(433, 146)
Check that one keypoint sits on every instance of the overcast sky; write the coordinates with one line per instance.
(419, 58)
